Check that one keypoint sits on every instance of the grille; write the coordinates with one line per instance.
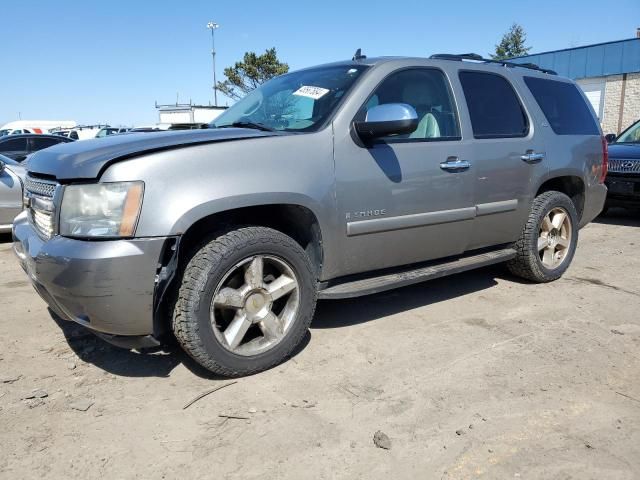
(40, 187)
(622, 165)
(39, 198)
(43, 222)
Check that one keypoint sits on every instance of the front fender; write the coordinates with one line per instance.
(220, 205)
(187, 184)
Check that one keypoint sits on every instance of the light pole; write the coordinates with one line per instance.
(213, 26)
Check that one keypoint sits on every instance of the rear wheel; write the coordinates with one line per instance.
(548, 241)
(246, 301)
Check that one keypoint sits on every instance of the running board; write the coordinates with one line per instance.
(389, 281)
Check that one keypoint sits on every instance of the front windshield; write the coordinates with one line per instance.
(299, 101)
(631, 135)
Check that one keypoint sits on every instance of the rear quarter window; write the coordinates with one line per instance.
(563, 106)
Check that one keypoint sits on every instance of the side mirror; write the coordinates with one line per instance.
(387, 119)
(2, 165)
(610, 137)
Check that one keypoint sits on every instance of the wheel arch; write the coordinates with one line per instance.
(569, 183)
(290, 216)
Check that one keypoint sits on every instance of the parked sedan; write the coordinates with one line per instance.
(17, 147)
(12, 176)
(623, 179)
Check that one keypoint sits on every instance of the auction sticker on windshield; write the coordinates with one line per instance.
(311, 92)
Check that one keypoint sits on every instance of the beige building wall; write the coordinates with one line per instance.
(613, 102)
(612, 96)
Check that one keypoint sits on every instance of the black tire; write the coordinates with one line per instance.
(207, 267)
(527, 263)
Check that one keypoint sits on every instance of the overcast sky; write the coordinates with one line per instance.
(110, 61)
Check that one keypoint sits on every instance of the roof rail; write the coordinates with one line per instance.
(478, 58)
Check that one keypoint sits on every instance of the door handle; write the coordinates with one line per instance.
(532, 157)
(454, 164)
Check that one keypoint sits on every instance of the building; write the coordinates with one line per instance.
(609, 74)
(188, 113)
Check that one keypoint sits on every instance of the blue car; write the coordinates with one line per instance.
(623, 179)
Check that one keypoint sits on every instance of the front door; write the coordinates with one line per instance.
(400, 200)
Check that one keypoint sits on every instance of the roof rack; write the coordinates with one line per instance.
(478, 58)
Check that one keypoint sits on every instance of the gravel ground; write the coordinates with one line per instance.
(476, 375)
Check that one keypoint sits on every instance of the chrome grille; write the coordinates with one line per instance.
(39, 201)
(43, 222)
(624, 165)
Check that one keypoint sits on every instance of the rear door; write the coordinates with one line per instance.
(508, 156)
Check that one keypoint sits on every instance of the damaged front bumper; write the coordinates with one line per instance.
(110, 286)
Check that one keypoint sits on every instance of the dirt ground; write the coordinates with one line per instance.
(476, 375)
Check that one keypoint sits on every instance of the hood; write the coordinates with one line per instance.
(87, 159)
(624, 150)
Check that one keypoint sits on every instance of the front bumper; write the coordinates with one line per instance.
(624, 190)
(107, 286)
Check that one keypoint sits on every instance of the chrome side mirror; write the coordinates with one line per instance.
(387, 119)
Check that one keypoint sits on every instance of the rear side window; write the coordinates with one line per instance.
(493, 106)
(41, 143)
(563, 106)
(14, 145)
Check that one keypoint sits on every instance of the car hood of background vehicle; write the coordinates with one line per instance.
(622, 150)
(87, 159)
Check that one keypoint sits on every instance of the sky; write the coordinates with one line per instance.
(109, 62)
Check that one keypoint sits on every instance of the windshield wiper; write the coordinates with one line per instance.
(254, 125)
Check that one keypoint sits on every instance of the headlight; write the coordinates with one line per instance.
(101, 209)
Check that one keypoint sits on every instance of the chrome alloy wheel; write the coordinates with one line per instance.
(254, 305)
(555, 237)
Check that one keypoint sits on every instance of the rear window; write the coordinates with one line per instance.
(564, 107)
(493, 106)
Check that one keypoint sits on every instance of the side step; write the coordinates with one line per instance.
(389, 281)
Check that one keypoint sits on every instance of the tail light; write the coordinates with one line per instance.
(605, 159)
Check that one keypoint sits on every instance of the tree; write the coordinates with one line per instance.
(512, 44)
(250, 73)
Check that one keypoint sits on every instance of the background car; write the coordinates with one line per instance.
(12, 175)
(623, 179)
(106, 131)
(17, 147)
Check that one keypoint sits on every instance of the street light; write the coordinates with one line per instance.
(213, 27)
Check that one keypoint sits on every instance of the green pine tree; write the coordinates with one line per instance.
(513, 44)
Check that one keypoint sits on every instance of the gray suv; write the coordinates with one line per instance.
(336, 181)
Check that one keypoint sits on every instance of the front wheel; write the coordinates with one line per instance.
(246, 301)
(548, 241)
